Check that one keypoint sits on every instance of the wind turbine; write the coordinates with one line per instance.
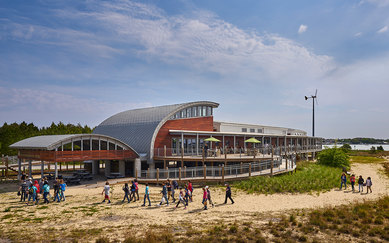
(313, 97)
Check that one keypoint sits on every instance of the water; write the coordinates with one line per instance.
(361, 146)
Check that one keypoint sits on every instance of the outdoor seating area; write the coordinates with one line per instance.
(115, 175)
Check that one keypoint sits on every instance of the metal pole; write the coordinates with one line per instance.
(313, 117)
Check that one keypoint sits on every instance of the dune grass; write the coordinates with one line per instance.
(366, 159)
(309, 177)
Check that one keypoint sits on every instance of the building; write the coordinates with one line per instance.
(167, 136)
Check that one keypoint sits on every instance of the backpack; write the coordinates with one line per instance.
(31, 190)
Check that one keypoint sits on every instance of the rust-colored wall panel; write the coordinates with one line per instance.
(194, 124)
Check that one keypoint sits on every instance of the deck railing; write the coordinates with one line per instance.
(222, 172)
(262, 150)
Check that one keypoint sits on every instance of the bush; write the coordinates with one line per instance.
(335, 157)
(346, 147)
(380, 148)
(372, 150)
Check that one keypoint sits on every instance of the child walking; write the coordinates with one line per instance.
(106, 191)
(181, 199)
(205, 198)
(126, 190)
(147, 195)
(368, 185)
(360, 183)
(46, 191)
(164, 195)
(62, 188)
(209, 196)
(343, 180)
(56, 190)
(352, 181)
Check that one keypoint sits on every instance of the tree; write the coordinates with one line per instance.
(346, 147)
(380, 148)
(372, 150)
(335, 157)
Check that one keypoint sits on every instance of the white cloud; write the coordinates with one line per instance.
(302, 29)
(379, 3)
(382, 30)
(359, 34)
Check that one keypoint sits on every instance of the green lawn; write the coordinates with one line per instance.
(365, 159)
(310, 177)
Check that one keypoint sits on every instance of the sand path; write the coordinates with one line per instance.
(245, 204)
(118, 215)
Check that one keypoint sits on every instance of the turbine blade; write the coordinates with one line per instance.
(316, 93)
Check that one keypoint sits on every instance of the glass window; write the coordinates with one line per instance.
(209, 111)
(259, 130)
(252, 130)
(183, 114)
(189, 112)
(204, 113)
(194, 111)
(244, 129)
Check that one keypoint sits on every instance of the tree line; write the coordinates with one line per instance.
(12, 133)
(356, 141)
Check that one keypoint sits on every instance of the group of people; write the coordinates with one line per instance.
(361, 183)
(32, 191)
(168, 192)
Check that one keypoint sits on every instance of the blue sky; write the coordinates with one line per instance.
(83, 61)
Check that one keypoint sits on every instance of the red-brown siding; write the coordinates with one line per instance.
(193, 124)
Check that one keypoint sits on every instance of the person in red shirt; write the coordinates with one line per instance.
(36, 184)
(190, 188)
(352, 181)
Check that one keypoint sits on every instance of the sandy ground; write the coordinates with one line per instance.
(83, 208)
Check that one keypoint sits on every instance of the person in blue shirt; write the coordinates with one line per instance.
(62, 188)
(46, 191)
(343, 180)
(32, 191)
(147, 195)
(164, 195)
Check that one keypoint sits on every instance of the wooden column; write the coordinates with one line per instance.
(6, 167)
(223, 173)
(157, 176)
(205, 172)
(250, 170)
(148, 173)
(241, 167)
(179, 174)
(182, 157)
(74, 165)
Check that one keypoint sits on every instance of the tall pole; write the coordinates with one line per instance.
(313, 117)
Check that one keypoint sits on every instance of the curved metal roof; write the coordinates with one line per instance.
(139, 128)
(50, 142)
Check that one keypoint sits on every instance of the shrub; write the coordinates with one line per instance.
(334, 157)
(346, 147)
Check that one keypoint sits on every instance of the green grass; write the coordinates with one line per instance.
(310, 177)
(365, 159)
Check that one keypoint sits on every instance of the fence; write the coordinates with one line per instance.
(262, 149)
(222, 172)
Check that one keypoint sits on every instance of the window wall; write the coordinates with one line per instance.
(195, 111)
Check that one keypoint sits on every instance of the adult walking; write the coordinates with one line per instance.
(23, 191)
(360, 183)
(369, 183)
(228, 194)
(343, 181)
(147, 195)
